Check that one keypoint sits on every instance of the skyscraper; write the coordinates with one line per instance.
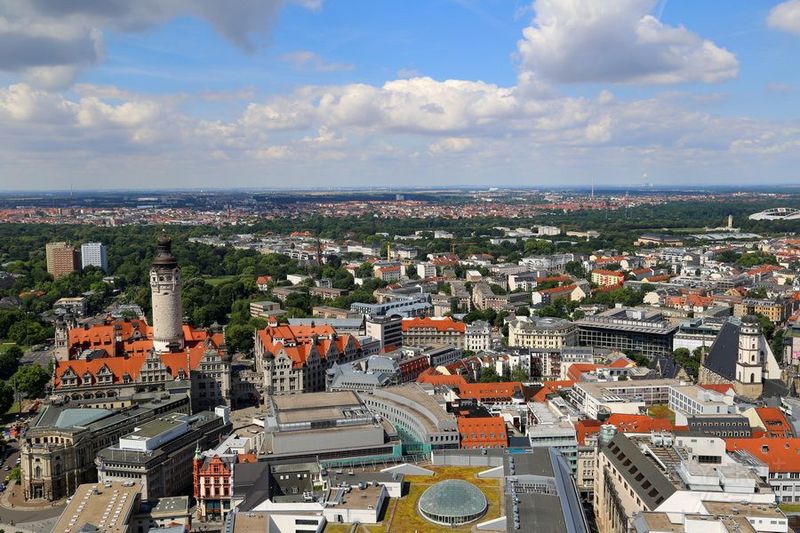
(94, 254)
(62, 259)
(165, 284)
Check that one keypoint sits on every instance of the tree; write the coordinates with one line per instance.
(6, 398)
(489, 375)
(689, 362)
(519, 375)
(777, 344)
(239, 338)
(30, 381)
(9, 362)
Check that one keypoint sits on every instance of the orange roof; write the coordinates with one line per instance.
(439, 324)
(430, 375)
(780, 454)
(554, 290)
(549, 387)
(576, 369)
(118, 366)
(622, 362)
(608, 273)
(297, 342)
(586, 428)
(263, 280)
(639, 423)
(661, 277)
(479, 391)
(495, 423)
(775, 422)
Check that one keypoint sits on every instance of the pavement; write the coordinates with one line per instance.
(40, 357)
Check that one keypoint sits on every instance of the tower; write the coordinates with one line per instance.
(749, 360)
(165, 285)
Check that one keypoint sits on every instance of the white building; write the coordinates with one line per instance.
(689, 400)
(478, 336)
(426, 270)
(94, 254)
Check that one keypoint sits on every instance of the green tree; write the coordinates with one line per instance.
(519, 375)
(239, 338)
(30, 381)
(9, 362)
(6, 398)
(489, 375)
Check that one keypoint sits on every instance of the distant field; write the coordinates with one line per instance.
(219, 280)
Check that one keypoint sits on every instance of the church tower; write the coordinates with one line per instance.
(165, 285)
(749, 360)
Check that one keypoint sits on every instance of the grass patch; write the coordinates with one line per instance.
(789, 507)
(662, 411)
(15, 408)
(219, 280)
(406, 517)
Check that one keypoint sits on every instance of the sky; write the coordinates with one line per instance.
(114, 94)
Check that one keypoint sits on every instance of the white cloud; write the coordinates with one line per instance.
(785, 17)
(575, 41)
(304, 59)
(53, 40)
(450, 144)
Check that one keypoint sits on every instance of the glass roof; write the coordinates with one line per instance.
(452, 497)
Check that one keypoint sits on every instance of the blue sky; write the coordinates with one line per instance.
(267, 93)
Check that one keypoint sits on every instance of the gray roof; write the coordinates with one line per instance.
(251, 481)
(721, 358)
(653, 487)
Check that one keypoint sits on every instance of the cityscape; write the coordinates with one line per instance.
(467, 266)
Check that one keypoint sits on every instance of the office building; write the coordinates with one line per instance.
(542, 333)
(62, 259)
(94, 254)
(630, 330)
(433, 332)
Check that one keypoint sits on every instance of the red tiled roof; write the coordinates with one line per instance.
(549, 387)
(639, 423)
(480, 391)
(780, 454)
(297, 342)
(439, 324)
(775, 422)
(432, 376)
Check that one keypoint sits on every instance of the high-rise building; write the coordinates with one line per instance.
(62, 259)
(165, 284)
(94, 254)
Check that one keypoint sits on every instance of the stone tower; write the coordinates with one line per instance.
(165, 284)
(749, 360)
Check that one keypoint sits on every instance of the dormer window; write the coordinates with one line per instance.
(87, 378)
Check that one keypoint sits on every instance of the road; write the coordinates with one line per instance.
(40, 357)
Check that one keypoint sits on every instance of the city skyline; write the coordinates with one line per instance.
(314, 93)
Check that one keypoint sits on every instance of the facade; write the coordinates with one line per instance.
(294, 359)
(417, 415)
(433, 332)
(94, 254)
(58, 450)
(388, 330)
(478, 336)
(607, 278)
(545, 333)
(62, 259)
(483, 432)
(632, 331)
(158, 454)
(776, 310)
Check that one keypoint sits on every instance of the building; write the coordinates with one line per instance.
(77, 306)
(426, 270)
(690, 400)
(326, 426)
(94, 254)
(664, 473)
(418, 416)
(158, 454)
(294, 359)
(62, 259)
(478, 336)
(548, 428)
(388, 330)
(433, 332)
(607, 278)
(779, 455)
(741, 356)
(118, 507)
(537, 332)
(165, 286)
(482, 432)
(122, 357)
(626, 397)
(776, 310)
(58, 450)
(265, 309)
(630, 330)
(403, 306)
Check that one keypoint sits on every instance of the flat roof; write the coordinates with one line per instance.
(108, 507)
(315, 400)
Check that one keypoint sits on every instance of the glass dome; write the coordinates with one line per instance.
(452, 502)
